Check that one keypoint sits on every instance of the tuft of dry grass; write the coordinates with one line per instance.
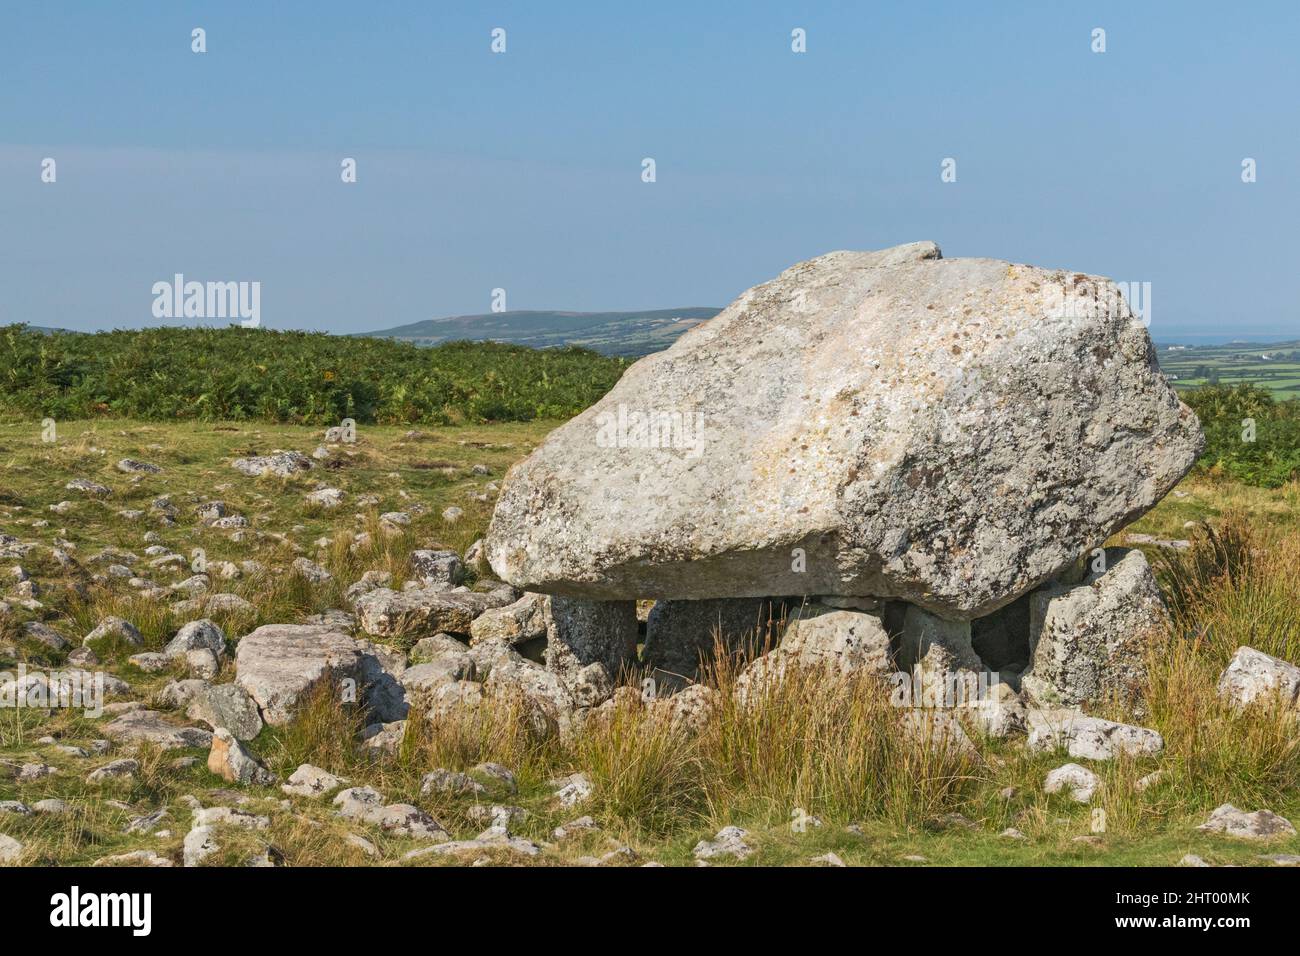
(1237, 586)
(324, 732)
(830, 745)
(652, 779)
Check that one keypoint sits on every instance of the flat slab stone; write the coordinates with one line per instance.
(418, 612)
(1091, 738)
(278, 663)
(148, 726)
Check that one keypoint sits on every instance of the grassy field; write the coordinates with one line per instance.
(836, 755)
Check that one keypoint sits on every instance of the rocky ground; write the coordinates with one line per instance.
(306, 661)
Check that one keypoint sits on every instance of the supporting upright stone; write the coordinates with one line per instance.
(680, 634)
(591, 632)
(1089, 642)
(940, 655)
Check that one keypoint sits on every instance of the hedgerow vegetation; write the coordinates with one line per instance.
(238, 374)
(1270, 456)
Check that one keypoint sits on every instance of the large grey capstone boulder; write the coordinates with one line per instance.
(950, 432)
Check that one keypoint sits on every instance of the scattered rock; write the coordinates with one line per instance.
(729, 841)
(88, 487)
(527, 619)
(1090, 738)
(1259, 825)
(1000, 714)
(10, 849)
(689, 710)
(362, 844)
(147, 726)
(282, 464)
(279, 663)
(327, 498)
(438, 569)
(148, 822)
(405, 820)
(313, 782)
(418, 612)
(1255, 676)
(147, 858)
(1081, 782)
(44, 634)
(573, 789)
(150, 662)
(200, 843)
(450, 781)
(497, 814)
(202, 663)
(1150, 780)
(937, 729)
(355, 802)
(493, 838)
(232, 762)
(578, 827)
(310, 570)
(116, 770)
(179, 693)
(226, 706)
(502, 776)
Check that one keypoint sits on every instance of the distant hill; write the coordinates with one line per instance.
(611, 333)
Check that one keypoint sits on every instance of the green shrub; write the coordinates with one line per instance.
(310, 378)
(1273, 458)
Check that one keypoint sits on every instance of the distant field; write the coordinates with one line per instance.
(1274, 366)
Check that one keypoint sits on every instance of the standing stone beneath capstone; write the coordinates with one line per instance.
(679, 634)
(1089, 641)
(939, 651)
(840, 640)
(581, 633)
(833, 642)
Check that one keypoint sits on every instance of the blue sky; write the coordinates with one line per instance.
(523, 170)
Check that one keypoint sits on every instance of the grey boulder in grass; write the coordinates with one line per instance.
(949, 432)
